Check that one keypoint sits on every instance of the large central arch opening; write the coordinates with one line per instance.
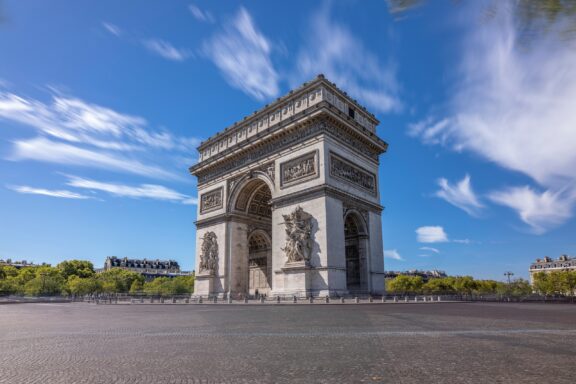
(253, 202)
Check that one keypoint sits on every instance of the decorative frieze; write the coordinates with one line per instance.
(344, 170)
(300, 169)
(211, 201)
(320, 126)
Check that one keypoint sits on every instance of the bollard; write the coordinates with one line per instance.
(406, 299)
(245, 300)
(141, 300)
(311, 300)
(370, 299)
(342, 300)
(439, 298)
(327, 299)
(229, 299)
(431, 298)
(415, 299)
(383, 299)
(395, 299)
(356, 300)
(200, 300)
(294, 299)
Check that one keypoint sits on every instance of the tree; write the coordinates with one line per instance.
(568, 282)
(405, 284)
(464, 285)
(486, 287)
(520, 287)
(48, 281)
(83, 286)
(117, 280)
(438, 285)
(80, 268)
(136, 287)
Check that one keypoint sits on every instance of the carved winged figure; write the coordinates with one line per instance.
(209, 255)
(298, 231)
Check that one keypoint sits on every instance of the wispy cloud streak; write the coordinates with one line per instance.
(460, 195)
(243, 55)
(149, 191)
(64, 194)
(332, 49)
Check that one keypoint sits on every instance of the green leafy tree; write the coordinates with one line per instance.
(136, 286)
(520, 287)
(486, 287)
(438, 285)
(83, 286)
(117, 280)
(405, 284)
(464, 285)
(80, 268)
(48, 281)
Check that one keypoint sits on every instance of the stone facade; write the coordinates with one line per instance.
(290, 197)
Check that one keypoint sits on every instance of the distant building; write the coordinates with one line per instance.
(425, 275)
(150, 269)
(18, 264)
(547, 264)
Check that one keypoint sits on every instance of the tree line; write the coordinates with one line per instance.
(78, 277)
(459, 285)
(556, 283)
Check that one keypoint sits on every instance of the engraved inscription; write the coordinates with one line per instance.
(302, 168)
(211, 201)
(342, 169)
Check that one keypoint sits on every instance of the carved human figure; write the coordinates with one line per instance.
(209, 255)
(298, 232)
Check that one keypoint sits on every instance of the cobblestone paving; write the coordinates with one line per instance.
(380, 343)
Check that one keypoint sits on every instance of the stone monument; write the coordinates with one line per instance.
(289, 201)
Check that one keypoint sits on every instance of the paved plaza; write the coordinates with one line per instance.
(388, 343)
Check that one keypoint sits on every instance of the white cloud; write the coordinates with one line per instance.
(150, 191)
(111, 28)
(47, 192)
(462, 241)
(429, 249)
(431, 234)
(75, 120)
(242, 53)
(460, 195)
(43, 149)
(392, 254)
(90, 135)
(166, 50)
(200, 15)
(332, 49)
(514, 106)
(541, 211)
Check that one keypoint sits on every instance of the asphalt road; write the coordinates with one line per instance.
(388, 343)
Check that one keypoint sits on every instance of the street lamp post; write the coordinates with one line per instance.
(508, 275)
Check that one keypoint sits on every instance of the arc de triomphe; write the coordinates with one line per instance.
(289, 201)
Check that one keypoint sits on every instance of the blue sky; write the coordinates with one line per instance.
(102, 104)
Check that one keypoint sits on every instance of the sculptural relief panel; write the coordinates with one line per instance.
(300, 169)
(211, 201)
(209, 254)
(345, 170)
